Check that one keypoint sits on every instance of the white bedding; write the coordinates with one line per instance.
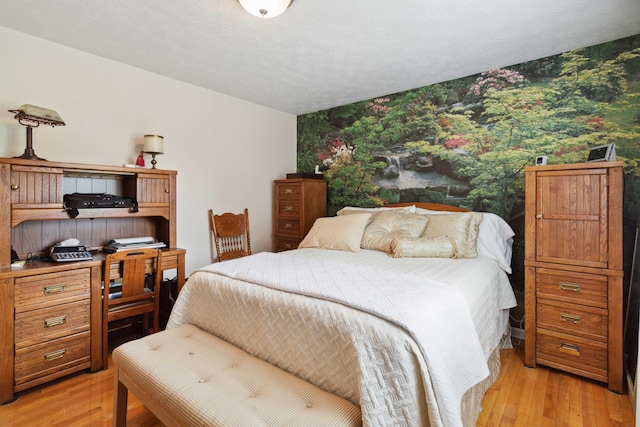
(371, 361)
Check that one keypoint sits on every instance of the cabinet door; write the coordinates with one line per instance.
(153, 190)
(36, 187)
(571, 217)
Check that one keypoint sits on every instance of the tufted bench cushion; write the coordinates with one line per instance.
(188, 377)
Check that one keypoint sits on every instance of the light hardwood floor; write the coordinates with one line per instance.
(520, 397)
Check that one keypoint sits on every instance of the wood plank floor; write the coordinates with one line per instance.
(520, 397)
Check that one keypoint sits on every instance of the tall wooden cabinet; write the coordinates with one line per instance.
(298, 203)
(51, 313)
(573, 269)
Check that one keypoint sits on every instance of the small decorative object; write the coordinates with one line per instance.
(31, 117)
(603, 153)
(265, 8)
(140, 159)
(153, 144)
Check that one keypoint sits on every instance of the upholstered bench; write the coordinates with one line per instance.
(188, 377)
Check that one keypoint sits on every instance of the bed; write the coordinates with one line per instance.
(373, 308)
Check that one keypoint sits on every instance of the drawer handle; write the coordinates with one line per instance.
(568, 286)
(570, 349)
(288, 246)
(288, 225)
(54, 289)
(166, 190)
(58, 354)
(55, 321)
(288, 191)
(570, 318)
(15, 187)
(288, 208)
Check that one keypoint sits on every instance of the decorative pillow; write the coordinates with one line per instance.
(495, 239)
(432, 247)
(352, 209)
(389, 224)
(340, 233)
(461, 227)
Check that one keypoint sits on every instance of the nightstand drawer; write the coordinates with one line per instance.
(51, 357)
(568, 286)
(574, 319)
(45, 290)
(37, 326)
(289, 190)
(572, 354)
(286, 244)
(290, 227)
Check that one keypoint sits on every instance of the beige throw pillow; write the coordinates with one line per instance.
(461, 228)
(342, 233)
(432, 247)
(391, 224)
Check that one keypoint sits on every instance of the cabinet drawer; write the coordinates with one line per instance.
(290, 227)
(45, 290)
(37, 326)
(292, 190)
(288, 209)
(286, 244)
(51, 357)
(572, 354)
(574, 319)
(568, 286)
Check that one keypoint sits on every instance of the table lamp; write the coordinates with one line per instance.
(153, 144)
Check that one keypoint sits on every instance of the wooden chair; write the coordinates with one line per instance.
(231, 234)
(134, 299)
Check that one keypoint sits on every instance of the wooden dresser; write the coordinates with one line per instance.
(298, 203)
(573, 269)
(51, 313)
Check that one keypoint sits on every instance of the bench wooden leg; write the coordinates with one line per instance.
(120, 395)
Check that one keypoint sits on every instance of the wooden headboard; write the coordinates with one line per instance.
(430, 206)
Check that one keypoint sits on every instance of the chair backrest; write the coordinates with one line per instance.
(231, 234)
(132, 266)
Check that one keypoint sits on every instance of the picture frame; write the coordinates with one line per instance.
(602, 153)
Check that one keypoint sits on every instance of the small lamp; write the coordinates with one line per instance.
(153, 144)
(31, 117)
(265, 8)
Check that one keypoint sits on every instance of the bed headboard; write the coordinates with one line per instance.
(430, 206)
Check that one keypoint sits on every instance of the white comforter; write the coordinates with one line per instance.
(463, 300)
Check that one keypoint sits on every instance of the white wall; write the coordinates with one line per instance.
(227, 151)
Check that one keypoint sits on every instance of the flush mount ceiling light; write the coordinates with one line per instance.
(265, 8)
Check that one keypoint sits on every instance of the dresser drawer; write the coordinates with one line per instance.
(37, 326)
(45, 290)
(286, 244)
(289, 191)
(52, 357)
(288, 209)
(572, 354)
(574, 319)
(290, 227)
(568, 286)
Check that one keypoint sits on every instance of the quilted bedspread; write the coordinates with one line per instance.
(397, 367)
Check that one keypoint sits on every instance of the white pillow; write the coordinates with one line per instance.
(495, 239)
(342, 233)
(353, 209)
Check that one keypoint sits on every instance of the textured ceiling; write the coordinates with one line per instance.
(322, 53)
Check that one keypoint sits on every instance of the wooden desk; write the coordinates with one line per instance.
(51, 319)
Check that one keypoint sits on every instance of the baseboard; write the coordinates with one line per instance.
(517, 333)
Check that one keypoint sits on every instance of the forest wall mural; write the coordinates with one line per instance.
(466, 142)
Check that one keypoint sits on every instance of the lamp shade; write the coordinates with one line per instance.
(154, 144)
(265, 8)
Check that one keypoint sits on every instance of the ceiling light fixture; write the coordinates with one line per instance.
(265, 8)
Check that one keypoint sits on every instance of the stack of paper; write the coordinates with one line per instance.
(117, 245)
